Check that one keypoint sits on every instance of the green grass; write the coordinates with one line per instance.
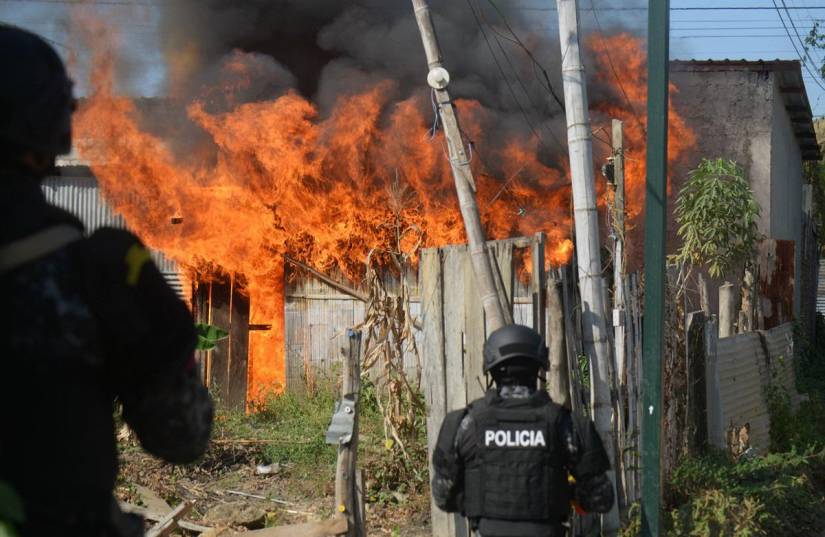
(291, 428)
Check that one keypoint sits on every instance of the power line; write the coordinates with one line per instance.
(796, 31)
(507, 80)
(642, 8)
(615, 74)
(725, 36)
(517, 40)
(85, 3)
(815, 23)
(714, 28)
(518, 8)
(787, 31)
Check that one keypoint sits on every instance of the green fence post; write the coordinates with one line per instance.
(654, 252)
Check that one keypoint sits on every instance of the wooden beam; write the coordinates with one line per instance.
(344, 288)
(170, 521)
(157, 517)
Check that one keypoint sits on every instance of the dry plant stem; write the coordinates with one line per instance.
(388, 326)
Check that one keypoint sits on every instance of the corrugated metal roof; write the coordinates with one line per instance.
(80, 195)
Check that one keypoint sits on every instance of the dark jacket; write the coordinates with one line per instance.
(576, 447)
(83, 326)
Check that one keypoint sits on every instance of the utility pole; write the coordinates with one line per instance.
(586, 221)
(618, 250)
(623, 482)
(496, 310)
(658, 40)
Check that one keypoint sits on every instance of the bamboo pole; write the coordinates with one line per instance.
(594, 327)
(727, 310)
(619, 317)
(496, 312)
(559, 381)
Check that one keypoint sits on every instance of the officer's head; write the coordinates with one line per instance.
(515, 354)
(36, 104)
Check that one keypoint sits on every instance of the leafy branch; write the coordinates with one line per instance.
(716, 215)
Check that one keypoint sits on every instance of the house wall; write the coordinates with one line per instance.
(786, 187)
(731, 113)
(740, 115)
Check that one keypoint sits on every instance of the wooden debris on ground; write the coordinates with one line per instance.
(157, 517)
(170, 521)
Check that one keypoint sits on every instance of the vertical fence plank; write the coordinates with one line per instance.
(501, 253)
(432, 356)
(453, 270)
(454, 348)
(473, 334)
(538, 282)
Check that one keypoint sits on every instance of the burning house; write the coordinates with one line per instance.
(261, 159)
(287, 132)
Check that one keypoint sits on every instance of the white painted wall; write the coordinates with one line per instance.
(786, 188)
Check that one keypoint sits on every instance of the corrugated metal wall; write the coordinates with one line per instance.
(80, 195)
(820, 289)
(747, 363)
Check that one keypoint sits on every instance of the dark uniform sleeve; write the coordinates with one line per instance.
(448, 469)
(588, 462)
(149, 341)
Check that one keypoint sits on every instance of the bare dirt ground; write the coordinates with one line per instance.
(229, 491)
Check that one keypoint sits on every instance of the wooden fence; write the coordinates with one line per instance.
(454, 332)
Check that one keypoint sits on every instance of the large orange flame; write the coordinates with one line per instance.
(286, 180)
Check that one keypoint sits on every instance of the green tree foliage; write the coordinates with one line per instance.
(816, 39)
(716, 214)
(815, 173)
(208, 336)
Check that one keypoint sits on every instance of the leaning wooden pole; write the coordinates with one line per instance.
(496, 309)
(586, 220)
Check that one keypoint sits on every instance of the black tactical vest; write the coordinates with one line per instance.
(518, 474)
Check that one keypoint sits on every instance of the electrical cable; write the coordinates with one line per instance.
(507, 80)
(613, 70)
(796, 31)
(801, 57)
(517, 40)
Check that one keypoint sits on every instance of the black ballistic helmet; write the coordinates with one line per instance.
(514, 341)
(36, 102)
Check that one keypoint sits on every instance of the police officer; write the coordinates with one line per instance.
(504, 461)
(84, 320)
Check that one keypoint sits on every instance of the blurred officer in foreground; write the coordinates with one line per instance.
(84, 320)
(503, 462)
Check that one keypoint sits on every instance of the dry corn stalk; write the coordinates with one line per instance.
(389, 329)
